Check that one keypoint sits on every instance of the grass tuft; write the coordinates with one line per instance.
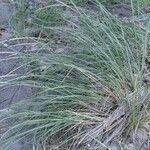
(90, 95)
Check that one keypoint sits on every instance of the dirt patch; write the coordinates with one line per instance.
(121, 10)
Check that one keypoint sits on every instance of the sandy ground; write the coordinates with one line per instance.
(12, 94)
(9, 95)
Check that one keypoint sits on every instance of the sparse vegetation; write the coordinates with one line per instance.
(90, 87)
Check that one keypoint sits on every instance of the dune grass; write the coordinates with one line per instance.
(89, 95)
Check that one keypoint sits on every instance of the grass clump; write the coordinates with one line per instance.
(91, 95)
(32, 19)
